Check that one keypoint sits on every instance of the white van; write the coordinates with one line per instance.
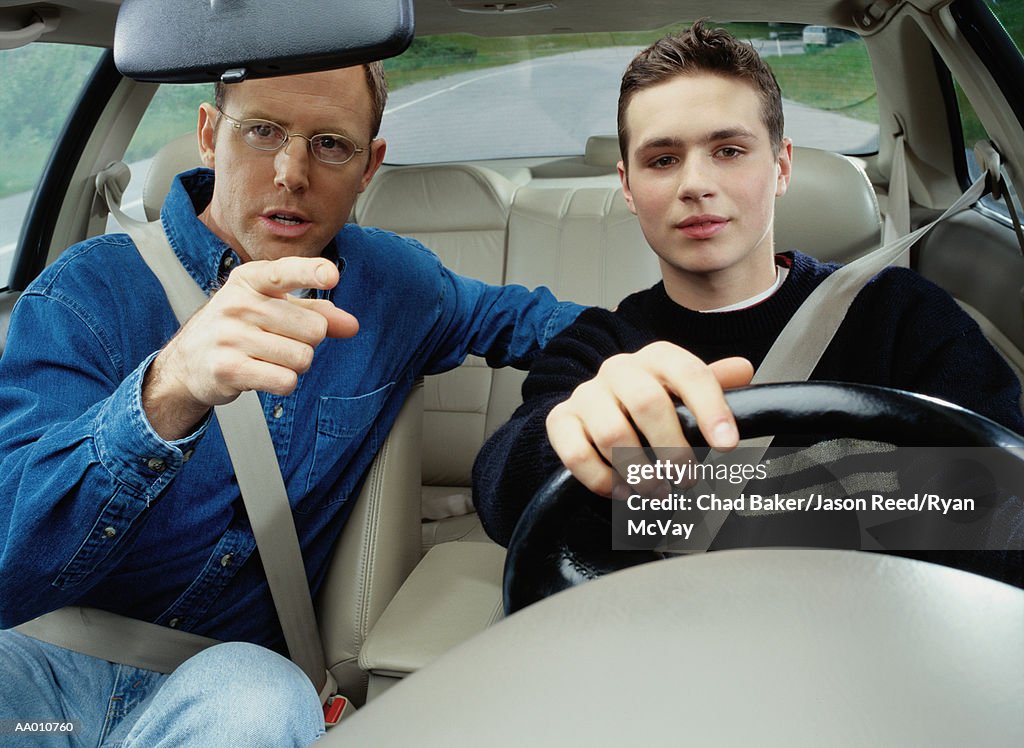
(824, 36)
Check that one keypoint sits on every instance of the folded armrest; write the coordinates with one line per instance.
(453, 594)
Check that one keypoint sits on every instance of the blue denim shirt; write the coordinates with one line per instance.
(98, 510)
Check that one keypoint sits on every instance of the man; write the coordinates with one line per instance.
(703, 161)
(117, 490)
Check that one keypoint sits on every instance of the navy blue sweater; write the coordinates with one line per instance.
(901, 331)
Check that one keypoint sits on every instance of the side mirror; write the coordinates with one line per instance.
(200, 41)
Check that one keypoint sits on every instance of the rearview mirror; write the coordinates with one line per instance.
(198, 41)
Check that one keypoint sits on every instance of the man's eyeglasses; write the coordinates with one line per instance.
(264, 135)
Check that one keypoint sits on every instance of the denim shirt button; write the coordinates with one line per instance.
(109, 531)
(278, 410)
(226, 559)
(227, 264)
(187, 455)
(173, 623)
(156, 464)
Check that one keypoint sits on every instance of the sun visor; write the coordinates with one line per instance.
(198, 41)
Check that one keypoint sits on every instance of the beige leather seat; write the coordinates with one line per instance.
(378, 549)
(941, 257)
(461, 213)
(180, 154)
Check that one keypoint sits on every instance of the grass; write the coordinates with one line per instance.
(432, 57)
(21, 166)
(172, 112)
(1011, 15)
(837, 79)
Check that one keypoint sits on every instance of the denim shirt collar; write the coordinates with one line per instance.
(204, 255)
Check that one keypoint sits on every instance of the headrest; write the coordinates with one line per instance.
(602, 150)
(181, 154)
(444, 197)
(830, 210)
(441, 197)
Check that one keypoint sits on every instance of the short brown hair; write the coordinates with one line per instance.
(700, 49)
(376, 81)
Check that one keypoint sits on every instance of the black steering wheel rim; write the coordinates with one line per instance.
(550, 549)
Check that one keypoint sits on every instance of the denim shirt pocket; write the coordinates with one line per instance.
(343, 426)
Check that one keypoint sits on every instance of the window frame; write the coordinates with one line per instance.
(1004, 62)
(37, 230)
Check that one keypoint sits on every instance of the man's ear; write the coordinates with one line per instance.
(624, 178)
(785, 167)
(378, 147)
(206, 131)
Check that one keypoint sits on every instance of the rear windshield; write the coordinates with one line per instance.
(462, 97)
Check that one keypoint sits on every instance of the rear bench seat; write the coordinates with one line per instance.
(462, 213)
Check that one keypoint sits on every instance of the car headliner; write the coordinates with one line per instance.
(92, 21)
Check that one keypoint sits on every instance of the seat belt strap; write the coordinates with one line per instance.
(264, 495)
(99, 633)
(803, 341)
(897, 213)
(273, 526)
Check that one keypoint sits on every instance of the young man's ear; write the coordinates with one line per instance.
(378, 147)
(206, 131)
(624, 178)
(785, 163)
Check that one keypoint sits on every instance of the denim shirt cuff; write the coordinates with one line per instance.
(131, 449)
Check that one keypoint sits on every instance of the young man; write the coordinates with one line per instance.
(118, 493)
(703, 161)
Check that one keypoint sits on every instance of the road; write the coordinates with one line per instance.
(551, 105)
(547, 106)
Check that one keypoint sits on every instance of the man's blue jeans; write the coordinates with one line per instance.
(232, 694)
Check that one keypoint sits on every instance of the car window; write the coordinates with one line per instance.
(544, 96)
(973, 131)
(1011, 17)
(38, 88)
(172, 112)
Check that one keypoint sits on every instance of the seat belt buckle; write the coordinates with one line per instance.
(336, 708)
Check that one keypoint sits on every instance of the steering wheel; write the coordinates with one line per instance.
(562, 538)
